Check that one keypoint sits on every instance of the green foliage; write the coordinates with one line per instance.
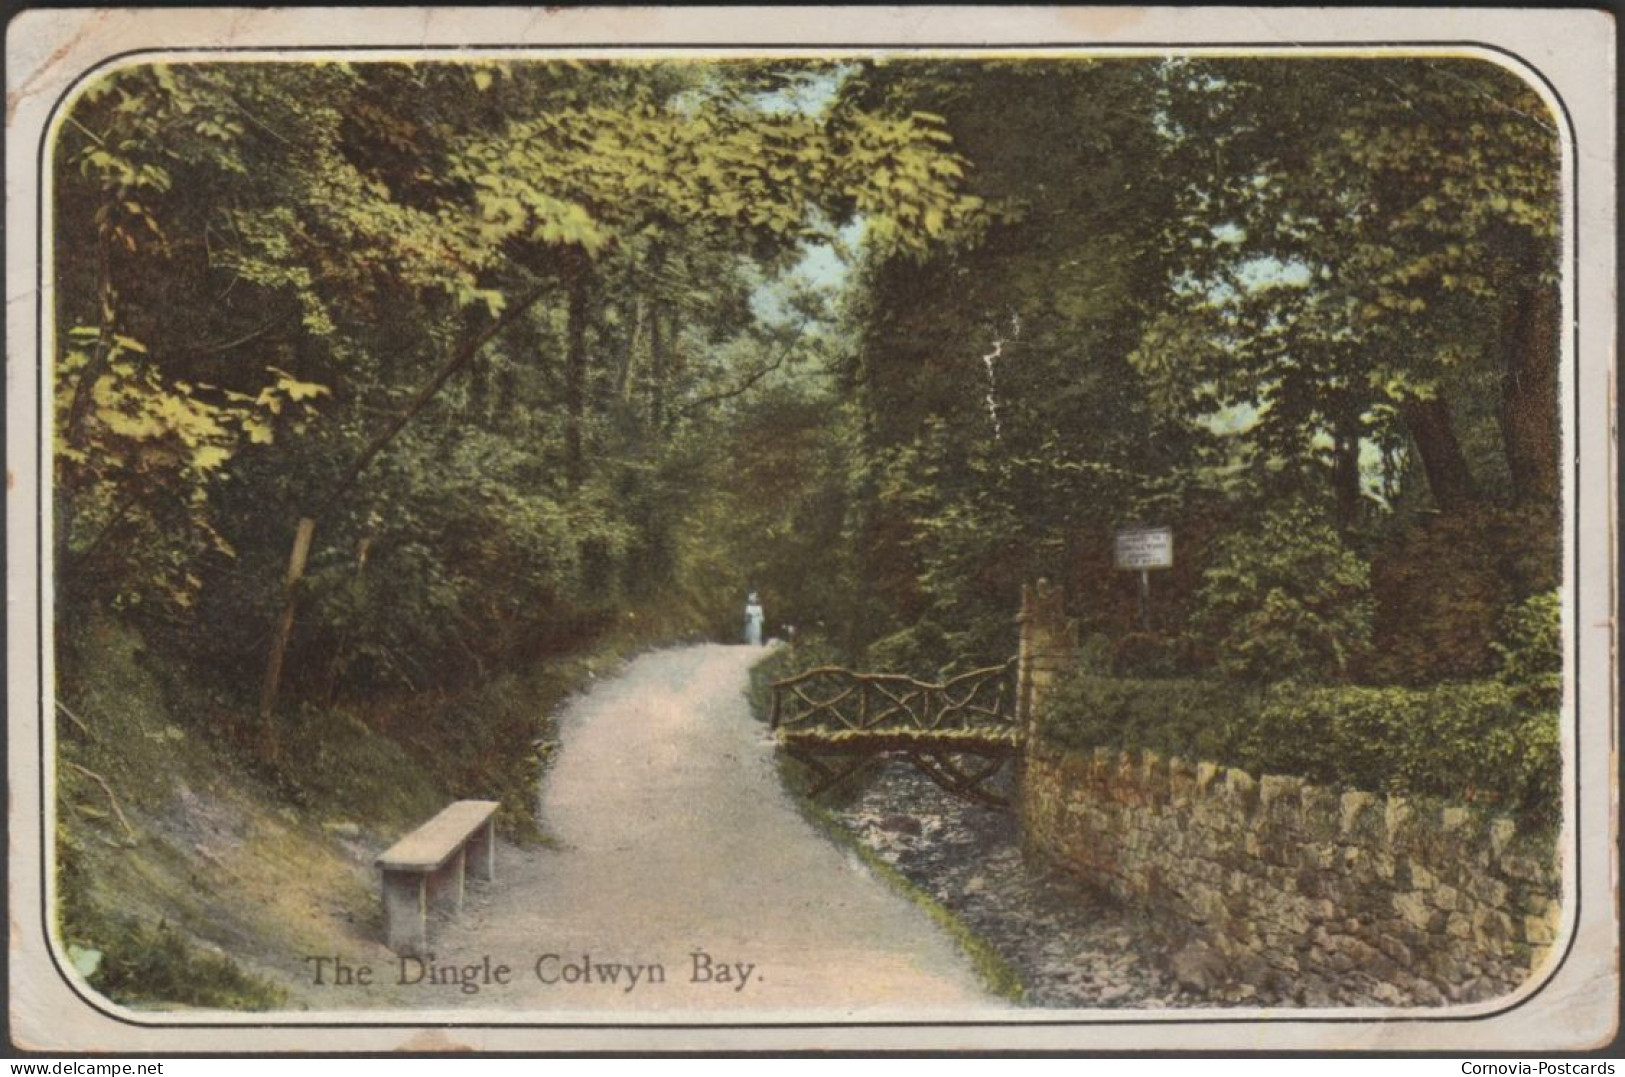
(1189, 717)
(343, 226)
(1146, 654)
(786, 662)
(464, 558)
(145, 458)
(1001, 430)
(1531, 650)
(1340, 256)
(1445, 586)
(1473, 741)
(1287, 600)
(142, 966)
(577, 177)
(767, 515)
(1477, 742)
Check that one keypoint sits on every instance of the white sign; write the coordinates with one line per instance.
(1145, 547)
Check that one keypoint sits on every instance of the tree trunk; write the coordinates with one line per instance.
(629, 361)
(1531, 424)
(479, 394)
(575, 373)
(107, 331)
(1346, 475)
(1431, 429)
(307, 524)
(657, 370)
(284, 632)
(479, 376)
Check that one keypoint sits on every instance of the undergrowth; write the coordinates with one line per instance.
(1479, 742)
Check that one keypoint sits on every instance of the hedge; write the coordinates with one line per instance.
(1472, 741)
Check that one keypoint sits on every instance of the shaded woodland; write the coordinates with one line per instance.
(558, 353)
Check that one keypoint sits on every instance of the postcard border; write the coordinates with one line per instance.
(222, 1020)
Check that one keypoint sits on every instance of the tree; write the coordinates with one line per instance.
(1286, 600)
(1003, 431)
(1359, 240)
(581, 240)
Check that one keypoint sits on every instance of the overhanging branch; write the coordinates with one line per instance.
(747, 383)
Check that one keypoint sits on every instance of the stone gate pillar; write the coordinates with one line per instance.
(1048, 641)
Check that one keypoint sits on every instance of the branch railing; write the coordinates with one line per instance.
(832, 698)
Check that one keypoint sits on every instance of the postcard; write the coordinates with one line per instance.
(681, 529)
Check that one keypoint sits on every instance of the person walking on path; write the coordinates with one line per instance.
(753, 620)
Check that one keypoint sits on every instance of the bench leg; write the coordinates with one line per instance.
(482, 847)
(406, 913)
(443, 887)
(462, 876)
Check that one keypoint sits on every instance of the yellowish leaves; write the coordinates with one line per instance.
(295, 389)
(579, 177)
(259, 431)
(492, 298)
(131, 406)
(209, 457)
(146, 439)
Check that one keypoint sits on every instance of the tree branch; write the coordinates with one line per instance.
(744, 386)
(111, 799)
(215, 349)
(74, 718)
(463, 358)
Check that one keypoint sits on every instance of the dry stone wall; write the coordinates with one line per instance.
(1273, 889)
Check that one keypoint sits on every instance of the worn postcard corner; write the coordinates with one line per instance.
(766, 529)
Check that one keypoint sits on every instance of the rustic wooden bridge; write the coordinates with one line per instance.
(960, 733)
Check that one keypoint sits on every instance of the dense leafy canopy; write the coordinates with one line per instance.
(547, 348)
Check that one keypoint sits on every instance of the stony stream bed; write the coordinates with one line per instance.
(1070, 946)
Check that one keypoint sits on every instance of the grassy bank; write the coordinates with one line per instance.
(194, 872)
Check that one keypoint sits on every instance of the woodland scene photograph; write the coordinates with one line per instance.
(904, 534)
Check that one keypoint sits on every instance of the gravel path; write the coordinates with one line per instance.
(678, 854)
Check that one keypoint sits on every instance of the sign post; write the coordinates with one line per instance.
(1142, 549)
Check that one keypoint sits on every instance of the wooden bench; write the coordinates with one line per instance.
(430, 866)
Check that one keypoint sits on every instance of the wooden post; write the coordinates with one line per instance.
(1145, 600)
(279, 643)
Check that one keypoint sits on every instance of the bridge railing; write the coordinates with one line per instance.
(832, 698)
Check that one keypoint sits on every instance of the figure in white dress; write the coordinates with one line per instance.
(753, 620)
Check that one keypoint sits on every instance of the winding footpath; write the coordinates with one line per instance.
(682, 877)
